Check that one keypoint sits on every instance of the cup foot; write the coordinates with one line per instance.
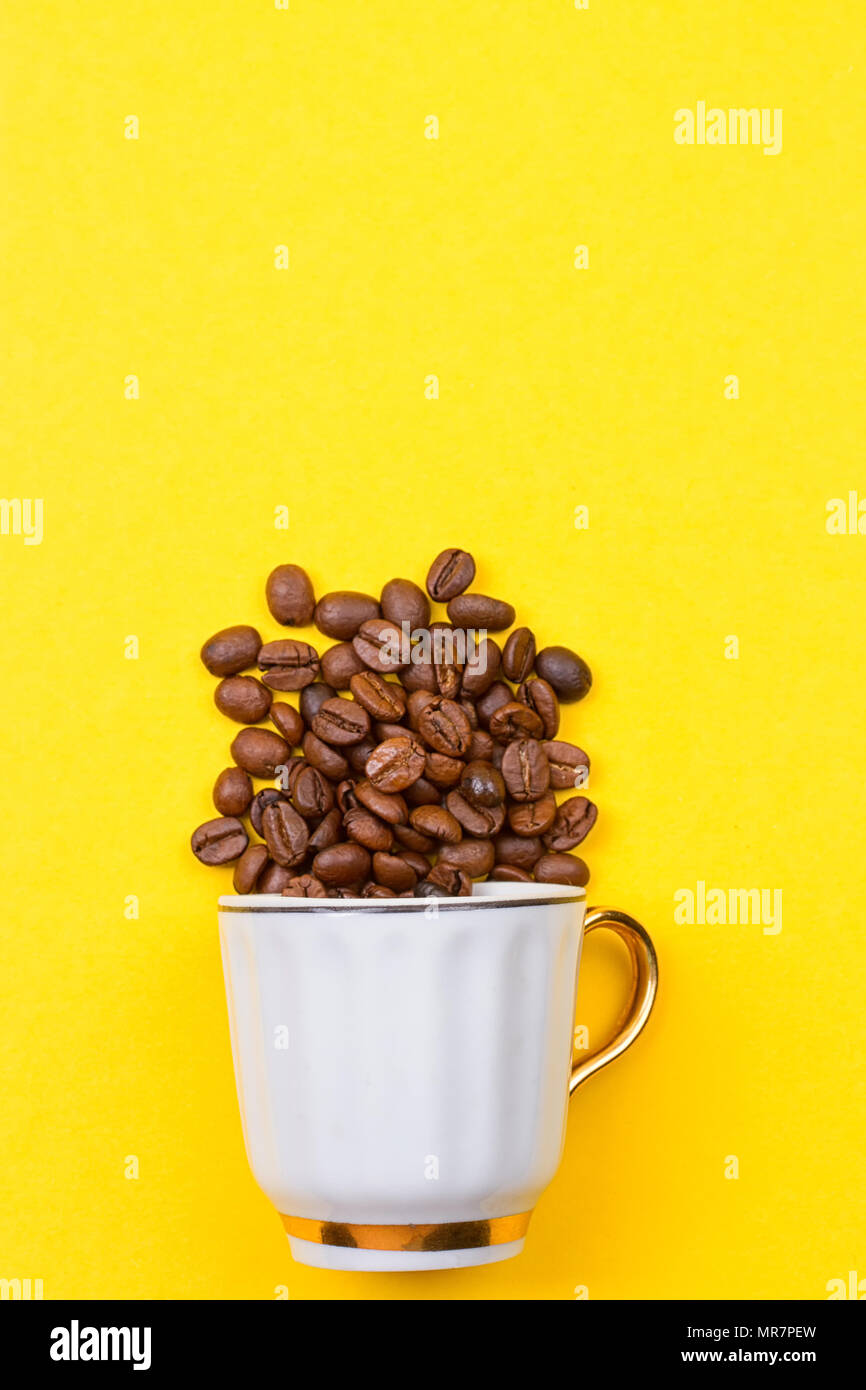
(345, 1257)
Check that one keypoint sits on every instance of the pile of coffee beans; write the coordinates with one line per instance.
(421, 754)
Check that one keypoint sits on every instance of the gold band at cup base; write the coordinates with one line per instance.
(448, 1235)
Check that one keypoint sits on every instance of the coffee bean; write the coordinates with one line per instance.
(322, 756)
(312, 794)
(289, 722)
(561, 868)
(260, 751)
(380, 698)
(289, 596)
(569, 765)
(242, 698)
(382, 731)
(286, 834)
(395, 764)
(274, 879)
(379, 644)
(533, 817)
(233, 792)
(525, 769)
(441, 770)
(493, 699)
(436, 822)
(450, 573)
(515, 720)
(567, 672)
(349, 890)
(248, 868)
(509, 873)
(339, 664)
(219, 841)
(408, 838)
(328, 832)
(468, 708)
(342, 865)
(474, 857)
(341, 614)
(482, 822)
(358, 753)
(312, 697)
(305, 886)
(341, 722)
(479, 611)
(414, 705)
(422, 793)
(231, 650)
(288, 664)
(521, 851)
(426, 889)
(377, 890)
(260, 803)
(518, 655)
(540, 696)
(480, 747)
(367, 830)
(482, 784)
(345, 794)
(483, 667)
(444, 726)
(574, 820)
(403, 602)
(420, 675)
(417, 861)
(455, 882)
(394, 872)
(388, 807)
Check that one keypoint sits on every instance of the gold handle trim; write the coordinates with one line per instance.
(448, 1235)
(644, 985)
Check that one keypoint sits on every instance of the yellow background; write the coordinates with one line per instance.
(559, 388)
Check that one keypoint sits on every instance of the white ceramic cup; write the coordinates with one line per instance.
(403, 1065)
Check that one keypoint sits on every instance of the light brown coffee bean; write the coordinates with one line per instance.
(289, 722)
(328, 832)
(341, 613)
(367, 830)
(444, 727)
(242, 698)
(525, 769)
(248, 868)
(394, 872)
(289, 596)
(443, 771)
(231, 650)
(341, 722)
(561, 868)
(286, 834)
(388, 807)
(381, 698)
(260, 803)
(540, 696)
(219, 841)
(379, 644)
(403, 602)
(305, 886)
(482, 822)
(515, 720)
(436, 822)
(569, 765)
(340, 664)
(453, 882)
(474, 857)
(408, 838)
(422, 793)
(274, 879)
(260, 752)
(288, 664)
(533, 817)
(342, 865)
(395, 764)
(483, 667)
(420, 675)
(574, 820)
(233, 792)
(479, 611)
(509, 873)
(312, 794)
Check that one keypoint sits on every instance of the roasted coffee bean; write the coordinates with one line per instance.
(480, 747)
(379, 644)
(569, 765)
(447, 663)
(342, 865)
(395, 764)
(479, 611)
(483, 667)
(426, 889)
(289, 595)
(233, 792)
(499, 694)
(518, 655)
(388, 807)
(567, 672)
(347, 890)
(540, 696)
(414, 705)
(305, 886)
(509, 873)
(474, 857)
(295, 767)
(483, 822)
(345, 794)
(288, 664)
(522, 852)
(394, 871)
(380, 698)
(574, 820)
(420, 675)
(219, 841)
(455, 882)
(482, 784)
(515, 720)
(441, 770)
(497, 755)
(260, 803)
(367, 830)
(231, 650)
(312, 697)
(561, 868)
(383, 731)
(341, 722)
(286, 834)
(408, 838)
(340, 664)
(422, 793)
(450, 573)
(419, 862)
(243, 699)
(248, 868)
(328, 832)
(533, 817)
(260, 752)
(322, 756)
(274, 879)
(289, 722)
(358, 753)
(403, 602)
(340, 614)
(525, 769)
(436, 822)
(312, 794)
(444, 726)
(377, 890)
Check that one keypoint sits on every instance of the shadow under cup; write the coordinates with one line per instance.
(403, 1065)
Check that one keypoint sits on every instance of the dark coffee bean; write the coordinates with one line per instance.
(388, 807)
(305, 886)
(242, 698)
(482, 822)
(443, 771)
(367, 830)
(483, 667)
(274, 879)
(286, 834)
(493, 699)
(497, 755)
(436, 822)
(561, 868)
(342, 865)
(480, 747)
(567, 672)
(288, 664)
(420, 675)
(248, 868)
(525, 769)
(289, 722)
(574, 820)
(509, 873)
(444, 726)
(312, 697)
(450, 573)
(340, 614)
(426, 889)
(419, 862)
(358, 753)
(540, 696)
(231, 650)
(379, 644)
(289, 595)
(408, 838)
(395, 764)
(482, 784)
(380, 698)
(219, 841)
(455, 882)
(260, 751)
(340, 664)
(422, 793)
(394, 871)
(515, 720)
(312, 794)
(569, 765)
(260, 803)
(414, 705)
(322, 756)
(518, 655)
(522, 852)
(341, 722)
(233, 792)
(403, 602)
(383, 731)
(474, 857)
(328, 832)
(479, 611)
(533, 817)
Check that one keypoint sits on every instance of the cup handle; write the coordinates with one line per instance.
(645, 979)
